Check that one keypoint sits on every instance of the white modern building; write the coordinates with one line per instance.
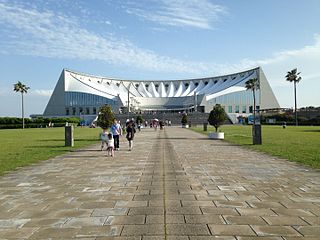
(79, 94)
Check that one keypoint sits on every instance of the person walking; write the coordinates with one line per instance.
(130, 134)
(103, 137)
(110, 145)
(116, 131)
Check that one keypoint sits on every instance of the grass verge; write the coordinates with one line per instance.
(298, 144)
(23, 147)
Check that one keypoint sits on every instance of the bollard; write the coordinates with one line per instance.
(68, 136)
(205, 127)
(256, 134)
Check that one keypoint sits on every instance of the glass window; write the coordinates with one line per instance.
(74, 111)
(237, 109)
(244, 109)
(67, 111)
(74, 99)
(94, 110)
(229, 109)
(250, 109)
(87, 111)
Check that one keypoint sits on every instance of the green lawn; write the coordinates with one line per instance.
(23, 147)
(299, 144)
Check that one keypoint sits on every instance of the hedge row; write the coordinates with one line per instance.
(28, 125)
(9, 122)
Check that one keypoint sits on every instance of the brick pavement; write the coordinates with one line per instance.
(175, 184)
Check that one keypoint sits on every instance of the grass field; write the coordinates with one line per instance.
(23, 147)
(299, 144)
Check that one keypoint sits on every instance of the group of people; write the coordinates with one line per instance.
(111, 139)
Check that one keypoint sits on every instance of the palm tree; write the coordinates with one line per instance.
(19, 87)
(293, 76)
(253, 84)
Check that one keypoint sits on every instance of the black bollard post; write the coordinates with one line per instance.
(205, 127)
(256, 134)
(68, 136)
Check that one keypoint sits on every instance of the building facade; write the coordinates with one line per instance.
(78, 94)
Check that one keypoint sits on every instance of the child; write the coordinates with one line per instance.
(110, 145)
(103, 137)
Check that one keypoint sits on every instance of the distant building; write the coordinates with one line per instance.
(78, 94)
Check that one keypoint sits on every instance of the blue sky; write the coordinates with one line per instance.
(156, 39)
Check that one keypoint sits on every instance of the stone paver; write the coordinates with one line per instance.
(176, 185)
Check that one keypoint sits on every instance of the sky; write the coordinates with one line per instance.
(156, 40)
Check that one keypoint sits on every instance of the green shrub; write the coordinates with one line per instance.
(217, 116)
(105, 117)
(184, 119)
(13, 123)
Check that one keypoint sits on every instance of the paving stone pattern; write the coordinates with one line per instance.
(175, 184)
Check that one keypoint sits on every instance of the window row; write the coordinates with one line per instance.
(76, 111)
(239, 109)
(74, 99)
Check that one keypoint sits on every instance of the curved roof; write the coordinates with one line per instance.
(111, 87)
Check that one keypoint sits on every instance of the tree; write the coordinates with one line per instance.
(105, 117)
(253, 84)
(139, 119)
(19, 87)
(184, 119)
(217, 116)
(293, 76)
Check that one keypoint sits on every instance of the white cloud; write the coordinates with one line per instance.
(310, 51)
(192, 13)
(306, 59)
(41, 92)
(47, 34)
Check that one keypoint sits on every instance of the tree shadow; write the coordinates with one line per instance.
(86, 140)
(62, 139)
(50, 140)
(313, 130)
(86, 150)
(174, 138)
(46, 146)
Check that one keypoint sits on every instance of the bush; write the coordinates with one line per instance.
(105, 117)
(217, 116)
(139, 119)
(184, 119)
(12, 123)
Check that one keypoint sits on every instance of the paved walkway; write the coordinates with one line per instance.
(175, 184)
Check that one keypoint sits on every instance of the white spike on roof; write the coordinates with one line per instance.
(162, 90)
(198, 88)
(188, 89)
(180, 90)
(142, 89)
(152, 90)
(207, 87)
(171, 90)
(134, 91)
